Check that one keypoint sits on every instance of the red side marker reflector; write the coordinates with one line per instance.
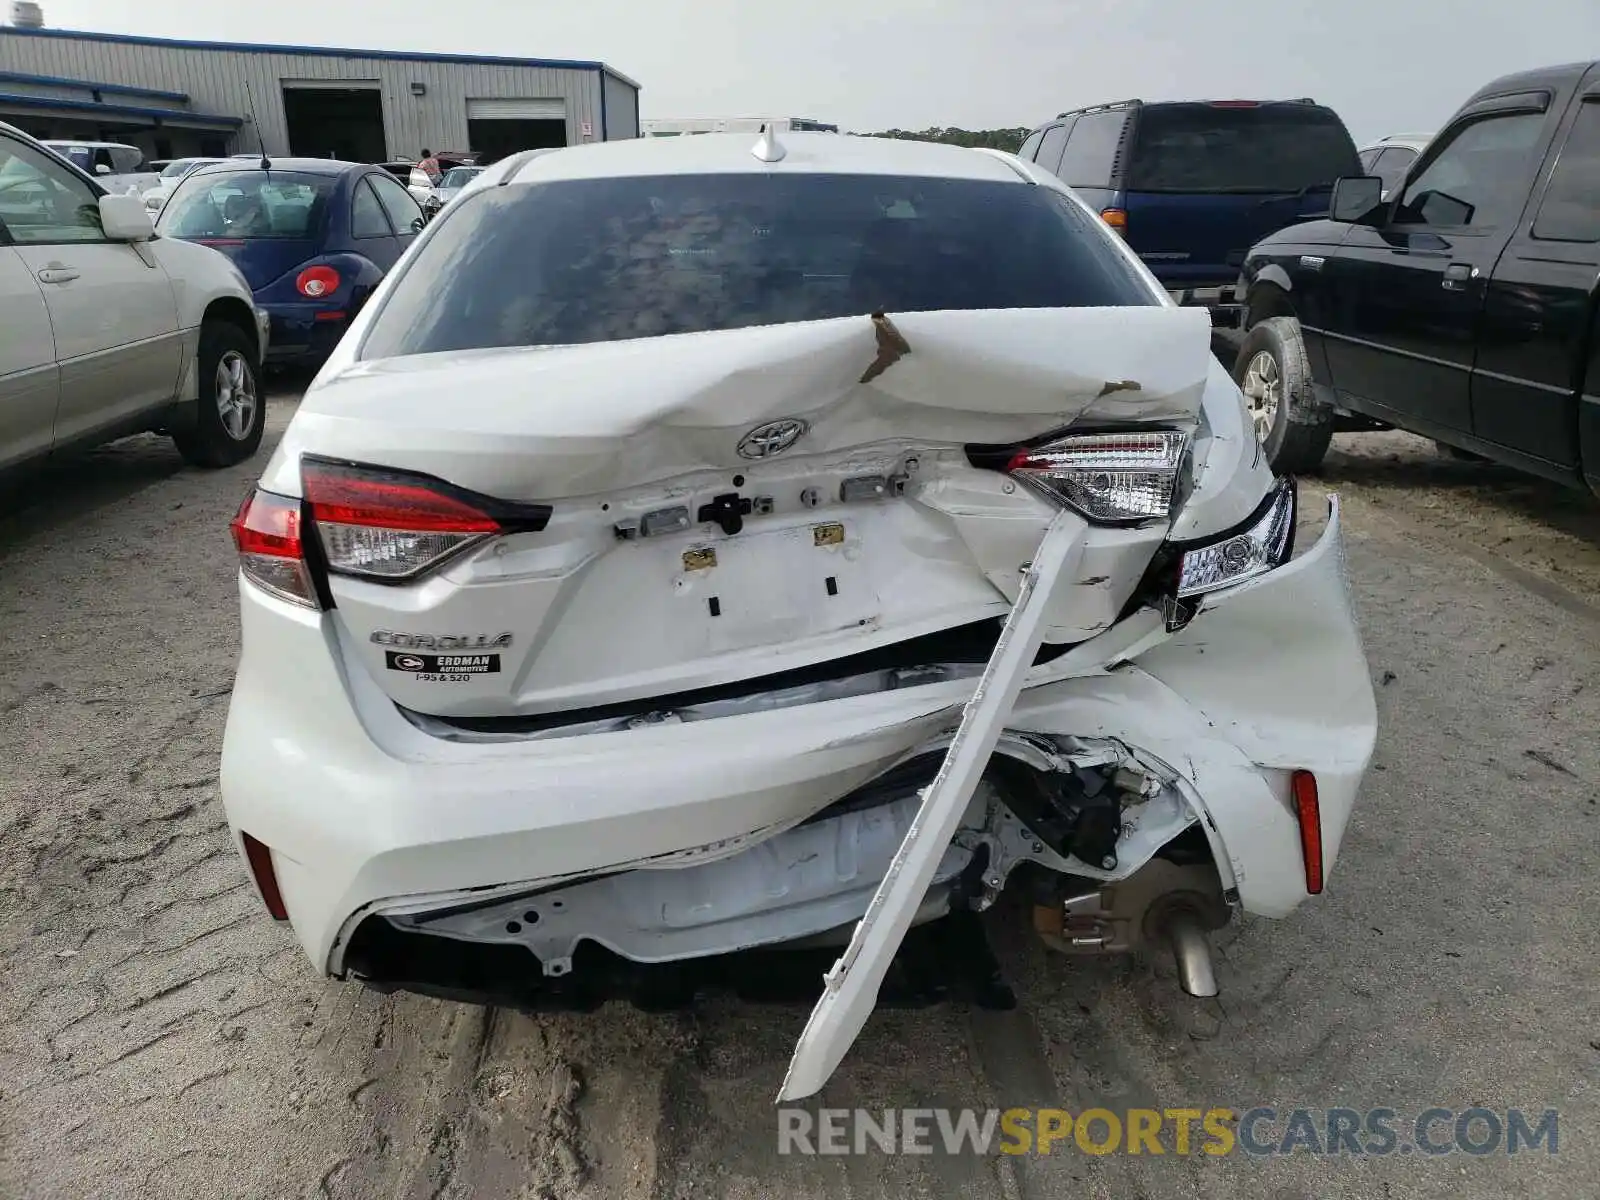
(1307, 810)
(260, 860)
(330, 316)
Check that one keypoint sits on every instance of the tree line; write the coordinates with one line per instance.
(1009, 140)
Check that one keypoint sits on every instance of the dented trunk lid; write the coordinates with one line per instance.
(726, 505)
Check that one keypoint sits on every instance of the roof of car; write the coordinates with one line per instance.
(1415, 141)
(732, 153)
(305, 166)
(93, 145)
(1534, 80)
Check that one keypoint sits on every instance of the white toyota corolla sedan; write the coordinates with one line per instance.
(704, 546)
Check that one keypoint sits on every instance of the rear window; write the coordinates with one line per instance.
(1269, 148)
(248, 204)
(607, 259)
(1571, 208)
(174, 170)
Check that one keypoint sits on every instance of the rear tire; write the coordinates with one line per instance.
(1293, 425)
(233, 408)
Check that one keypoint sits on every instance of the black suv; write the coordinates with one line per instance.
(1462, 308)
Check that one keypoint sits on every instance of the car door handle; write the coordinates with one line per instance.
(1457, 276)
(57, 273)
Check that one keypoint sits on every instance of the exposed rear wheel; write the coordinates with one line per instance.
(1272, 372)
(233, 409)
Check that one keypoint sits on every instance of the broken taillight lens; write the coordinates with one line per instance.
(391, 526)
(1109, 477)
(1265, 541)
(266, 531)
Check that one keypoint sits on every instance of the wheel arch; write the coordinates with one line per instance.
(233, 311)
(1271, 294)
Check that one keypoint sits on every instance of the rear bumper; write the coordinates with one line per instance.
(303, 333)
(367, 815)
(1225, 302)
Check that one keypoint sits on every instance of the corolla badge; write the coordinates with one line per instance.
(774, 437)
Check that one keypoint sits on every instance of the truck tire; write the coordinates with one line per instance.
(1293, 425)
(233, 407)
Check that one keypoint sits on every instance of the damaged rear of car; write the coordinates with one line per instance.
(616, 595)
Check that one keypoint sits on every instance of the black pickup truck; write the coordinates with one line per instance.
(1463, 308)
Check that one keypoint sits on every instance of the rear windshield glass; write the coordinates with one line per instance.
(248, 204)
(181, 167)
(607, 259)
(459, 177)
(1270, 148)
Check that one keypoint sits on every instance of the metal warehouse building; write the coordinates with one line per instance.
(178, 98)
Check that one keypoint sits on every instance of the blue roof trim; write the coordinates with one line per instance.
(171, 116)
(491, 60)
(90, 85)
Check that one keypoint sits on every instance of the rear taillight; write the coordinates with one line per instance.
(391, 526)
(1111, 477)
(1116, 218)
(316, 282)
(267, 532)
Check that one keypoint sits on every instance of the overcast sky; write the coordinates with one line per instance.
(1387, 66)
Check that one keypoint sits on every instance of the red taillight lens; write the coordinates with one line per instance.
(1116, 218)
(260, 859)
(394, 525)
(314, 283)
(266, 531)
(1235, 104)
(1308, 812)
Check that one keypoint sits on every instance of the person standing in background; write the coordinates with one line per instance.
(430, 165)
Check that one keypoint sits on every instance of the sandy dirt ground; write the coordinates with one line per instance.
(159, 1037)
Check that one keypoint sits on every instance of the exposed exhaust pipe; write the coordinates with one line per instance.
(1191, 950)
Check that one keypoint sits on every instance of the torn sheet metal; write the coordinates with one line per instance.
(851, 988)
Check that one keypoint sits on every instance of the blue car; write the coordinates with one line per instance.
(313, 237)
(1192, 185)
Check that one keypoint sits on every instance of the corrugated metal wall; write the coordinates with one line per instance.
(622, 109)
(216, 81)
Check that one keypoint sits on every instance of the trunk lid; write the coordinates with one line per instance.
(263, 261)
(864, 524)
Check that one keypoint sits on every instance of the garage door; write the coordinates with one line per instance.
(517, 110)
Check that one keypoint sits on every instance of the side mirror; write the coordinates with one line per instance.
(1356, 198)
(125, 219)
(101, 169)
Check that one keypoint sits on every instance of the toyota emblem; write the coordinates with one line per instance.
(774, 437)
